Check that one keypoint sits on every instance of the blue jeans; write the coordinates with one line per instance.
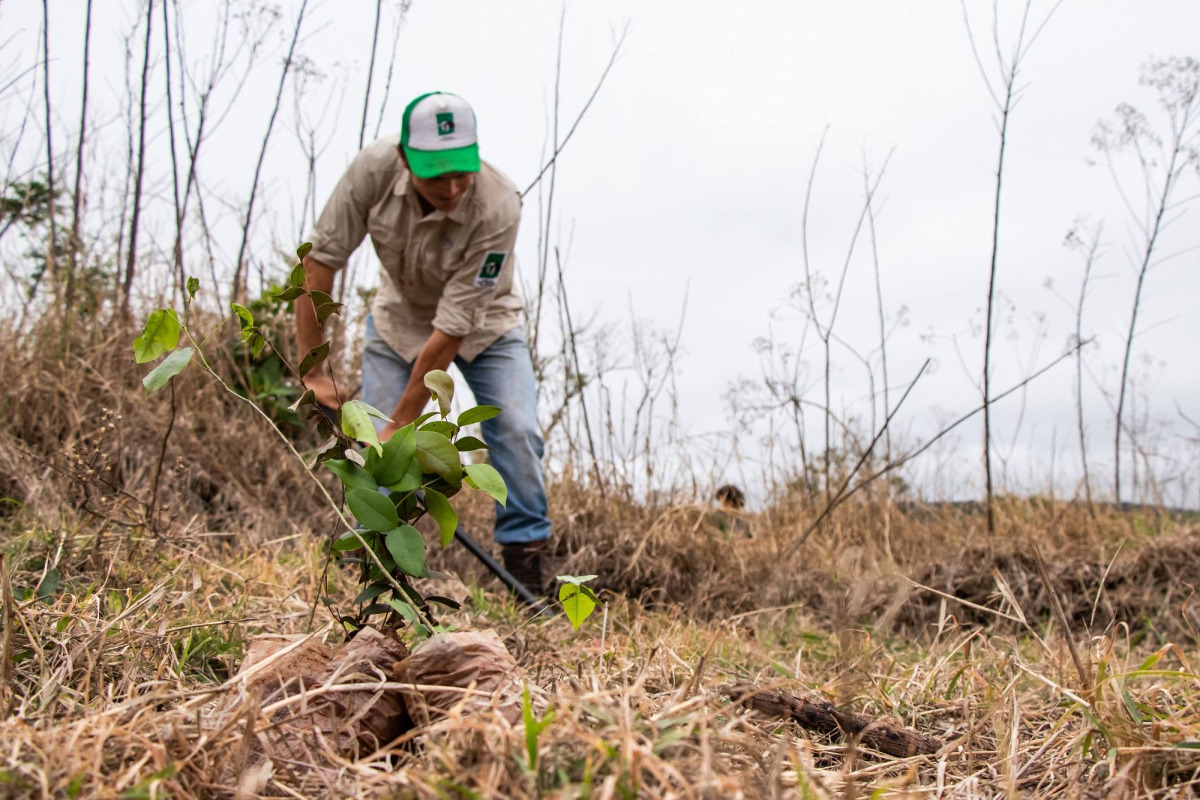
(502, 375)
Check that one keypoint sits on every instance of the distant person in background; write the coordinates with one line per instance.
(443, 224)
(730, 518)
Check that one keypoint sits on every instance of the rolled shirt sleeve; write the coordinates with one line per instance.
(342, 225)
(486, 268)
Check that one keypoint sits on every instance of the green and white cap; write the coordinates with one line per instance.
(438, 135)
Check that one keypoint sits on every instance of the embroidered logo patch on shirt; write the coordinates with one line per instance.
(489, 272)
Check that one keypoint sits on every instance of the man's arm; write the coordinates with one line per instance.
(437, 353)
(309, 334)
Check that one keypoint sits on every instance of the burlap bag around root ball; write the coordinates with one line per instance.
(482, 672)
(349, 723)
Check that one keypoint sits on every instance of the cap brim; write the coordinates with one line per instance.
(432, 163)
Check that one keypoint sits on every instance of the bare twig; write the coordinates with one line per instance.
(841, 495)
(51, 255)
(239, 275)
(362, 131)
(78, 193)
(560, 146)
(135, 219)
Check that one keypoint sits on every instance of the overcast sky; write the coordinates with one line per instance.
(688, 175)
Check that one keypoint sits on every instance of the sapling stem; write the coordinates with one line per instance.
(324, 491)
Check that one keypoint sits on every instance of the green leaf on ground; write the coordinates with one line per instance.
(437, 455)
(407, 547)
(372, 509)
(171, 366)
(442, 386)
(49, 585)
(477, 414)
(440, 509)
(160, 334)
(487, 479)
(352, 475)
(313, 358)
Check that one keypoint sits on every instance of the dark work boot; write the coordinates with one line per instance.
(524, 562)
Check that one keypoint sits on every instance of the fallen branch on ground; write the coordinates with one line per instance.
(824, 717)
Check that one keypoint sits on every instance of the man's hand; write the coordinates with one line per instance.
(437, 353)
(308, 332)
(324, 389)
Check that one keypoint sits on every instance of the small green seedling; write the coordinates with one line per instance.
(533, 727)
(578, 601)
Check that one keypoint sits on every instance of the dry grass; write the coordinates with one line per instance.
(116, 680)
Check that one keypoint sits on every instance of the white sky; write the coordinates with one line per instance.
(689, 173)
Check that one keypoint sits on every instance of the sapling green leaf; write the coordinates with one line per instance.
(257, 343)
(372, 411)
(356, 423)
(372, 591)
(352, 475)
(193, 286)
(246, 318)
(487, 479)
(477, 414)
(289, 293)
(440, 509)
(423, 418)
(347, 541)
(437, 455)
(303, 250)
(442, 386)
(298, 276)
(171, 366)
(324, 304)
(465, 444)
(447, 429)
(411, 480)
(159, 335)
(371, 509)
(407, 547)
(309, 396)
(314, 357)
(390, 465)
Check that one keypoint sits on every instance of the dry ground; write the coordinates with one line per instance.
(127, 617)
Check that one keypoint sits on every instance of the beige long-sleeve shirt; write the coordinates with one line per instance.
(449, 271)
